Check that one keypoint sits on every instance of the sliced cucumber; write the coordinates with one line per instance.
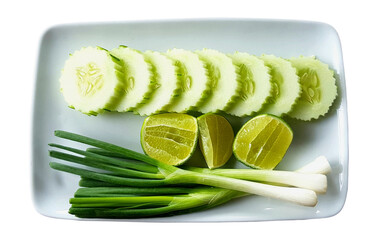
(240, 84)
(167, 86)
(256, 84)
(286, 87)
(225, 82)
(92, 80)
(138, 78)
(318, 88)
(194, 78)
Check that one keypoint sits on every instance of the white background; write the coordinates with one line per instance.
(21, 26)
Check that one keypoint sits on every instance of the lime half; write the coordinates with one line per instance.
(170, 137)
(262, 142)
(216, 139)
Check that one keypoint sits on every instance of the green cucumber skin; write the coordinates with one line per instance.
(118, 91)
(253, 103)
(206, 94)
(176, 92)
(153, 82)
(173, 94)
(214, 61)
(237, 96)
(137, 93)
(190, 68)
(279, 106)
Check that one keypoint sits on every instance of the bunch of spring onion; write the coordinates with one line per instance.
(122, 183)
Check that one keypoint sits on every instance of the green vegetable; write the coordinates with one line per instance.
(224, 81)
(200, 198)
(318, 88)
(173, 175)
(92, 80)
(139, 79)
(194, 79)
(315, 182)
(311, 176)
(256, 84)
(101, 199)
(286, 87)
(240, 84)
(167, 87)
(163, 203)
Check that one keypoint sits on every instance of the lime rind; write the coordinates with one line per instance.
(92, 80)
(285, 86)
(319, 88)
(255, 84)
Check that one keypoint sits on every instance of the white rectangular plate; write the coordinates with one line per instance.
(327, 136)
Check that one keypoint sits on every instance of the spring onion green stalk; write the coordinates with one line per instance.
(131, 202)
(132, 191)
(310, 176)
(296, 195)
(87, 182)
(109, 178)
(148, 206)
(125, 163)
(93, 162)
(104, 194)
(173, 175)
(205, 198)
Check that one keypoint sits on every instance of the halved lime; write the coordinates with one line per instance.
(170, 137)
(262, 142)
(216, 139)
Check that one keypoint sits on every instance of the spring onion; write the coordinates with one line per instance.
(213, 197)
(310, 176)
(127, 184)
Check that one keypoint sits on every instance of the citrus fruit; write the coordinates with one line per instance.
(215, 139)
(169, 137)
(262, 142)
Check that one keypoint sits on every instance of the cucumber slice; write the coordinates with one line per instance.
(286, 87)
(224, 81)
(92, 80)
(138, 78)
(194, 78)
(318, 88)
(256, 84)
(167, 87)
